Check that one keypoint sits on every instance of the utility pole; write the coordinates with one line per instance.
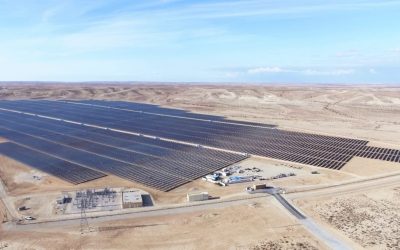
(84, 220)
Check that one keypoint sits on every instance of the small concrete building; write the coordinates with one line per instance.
(259, 186)
(197, 196)
(131, 199)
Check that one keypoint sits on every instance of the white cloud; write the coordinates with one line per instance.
(259, 70)
(308, 72)
(372, 71)
(241, 8)
(336, 72)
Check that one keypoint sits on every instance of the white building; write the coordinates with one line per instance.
(131, 198)
(197, 196)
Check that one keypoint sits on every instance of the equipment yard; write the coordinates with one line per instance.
(95, 172)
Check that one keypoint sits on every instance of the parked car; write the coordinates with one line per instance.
(29, 218)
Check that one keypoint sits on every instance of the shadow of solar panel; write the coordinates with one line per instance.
(62, 169)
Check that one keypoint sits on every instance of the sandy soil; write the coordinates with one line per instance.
(18, 179)
(284, 243)
(369, 218)
(3, 213)
(40, 196)
(20, 183)
(370, 167)
(227, 228)
(366, 112)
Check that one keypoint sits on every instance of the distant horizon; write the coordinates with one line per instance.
(155, 83)
(254, 41)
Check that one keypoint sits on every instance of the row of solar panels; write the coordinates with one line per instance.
(201, 125)
(326, 148)
(158, 164)
(155, 109)
(173, 127)
(65, 170)
(105, 116)
(317, 150)
(151, 108)
(384, 154)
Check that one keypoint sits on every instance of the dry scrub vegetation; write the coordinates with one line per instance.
(3, 213)
(285, 243)
(371, 219)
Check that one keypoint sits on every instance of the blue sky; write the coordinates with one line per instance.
(280, 41)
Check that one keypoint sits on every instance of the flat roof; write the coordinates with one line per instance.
(198, 193)
(131, 196)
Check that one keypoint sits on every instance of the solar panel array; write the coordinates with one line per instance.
(313, 149)
(155, 109)
(65, 170)
(159, 164)
(378, 153)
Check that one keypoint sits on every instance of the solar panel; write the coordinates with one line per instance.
(62, 169)
(146, 176)
(159, 164)
(246, 137)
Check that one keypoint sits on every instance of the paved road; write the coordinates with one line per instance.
(316, 230)
(329, 239)
(349, 187)
(140, 213)
(289, 207)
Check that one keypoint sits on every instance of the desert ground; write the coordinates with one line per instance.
(366, 219)
(269, 225)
